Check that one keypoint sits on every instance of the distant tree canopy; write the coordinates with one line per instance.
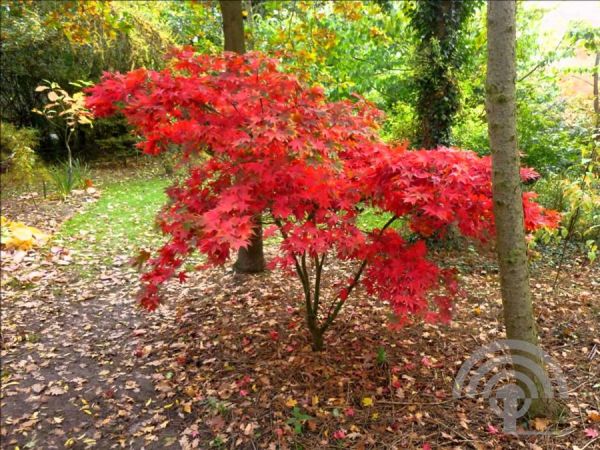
(420, 62)
(65, 41)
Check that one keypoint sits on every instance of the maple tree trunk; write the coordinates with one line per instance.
(233, 25)
(506, 185)
(318, 341)
(250, 259)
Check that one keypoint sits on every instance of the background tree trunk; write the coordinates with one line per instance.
(233, 25)
(437, 26)
(508, 205)
(250, 259)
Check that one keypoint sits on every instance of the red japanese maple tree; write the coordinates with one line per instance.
(279, 149)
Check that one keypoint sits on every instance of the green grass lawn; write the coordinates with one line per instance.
(118, 224)
(122, 221)
(371, 218)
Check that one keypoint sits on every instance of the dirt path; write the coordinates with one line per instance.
(69, 365)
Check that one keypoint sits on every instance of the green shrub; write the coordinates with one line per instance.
(18, 159)
(65, 180)
(110, 140)
(576, 194)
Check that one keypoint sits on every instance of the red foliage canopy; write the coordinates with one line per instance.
(275, 147)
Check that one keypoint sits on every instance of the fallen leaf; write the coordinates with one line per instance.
(339, 434)
(540, 423)
(56, 390)
(594, 416)
(591, 433)
(492, 429)
(38, 388)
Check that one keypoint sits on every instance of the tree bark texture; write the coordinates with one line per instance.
(508, 205)
(233, 25)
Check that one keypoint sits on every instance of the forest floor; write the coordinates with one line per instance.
(226, 363)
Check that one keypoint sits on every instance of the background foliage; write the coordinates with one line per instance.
(388, 52)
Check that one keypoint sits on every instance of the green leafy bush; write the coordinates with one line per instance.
(19, 162)
(110, 140)
(576, 194)
(66, 41)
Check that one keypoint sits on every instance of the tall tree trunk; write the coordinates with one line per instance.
(437, 25)
(250, 259)
(508, 204)
(233, 25)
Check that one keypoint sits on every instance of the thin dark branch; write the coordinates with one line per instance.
(318, 272)
(338, 306)
(299, 270)
(544, 61)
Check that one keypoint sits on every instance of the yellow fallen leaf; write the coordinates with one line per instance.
(22, 238)
(315, 400)
(541, 423)
(594, 416)
(190, 391)
(367, 401)
(187, 408)
(17, 235)
(290, 402)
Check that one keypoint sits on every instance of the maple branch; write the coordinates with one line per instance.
(300, 270)
(235, 107)
(318, 271)
(338, 306)
(212, 109)
(306, 278)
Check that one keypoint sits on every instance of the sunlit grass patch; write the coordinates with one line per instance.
(121, 222)
(118, 224)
